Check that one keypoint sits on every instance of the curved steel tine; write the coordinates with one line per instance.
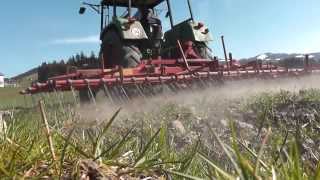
(140, 91)
(117, 92)
(173, 87)
(211, 80)
(74, 95)
(108, 93)
(91, 95)
(203, 83)
(198, 84)
(146, 89)
(177, 86)
(190, 87)
(60, 100)
(124, 93)
(150, 87)
(170, 89)
(165, 89)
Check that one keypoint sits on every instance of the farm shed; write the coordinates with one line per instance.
(1, 80)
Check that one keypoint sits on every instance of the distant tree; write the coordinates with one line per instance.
(80, 60)
(43, 72)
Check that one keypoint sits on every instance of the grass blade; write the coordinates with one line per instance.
(102, 134)
(274, 174)
(264, 165)
(78, 149)
(4, 171)
(142, 154)
(67, 142)
(189, 158)
(184, 175)
(238, 170)
(264, 141)
(116, 146)
(219, 170)
(317, 176)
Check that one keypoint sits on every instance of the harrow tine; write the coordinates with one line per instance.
(118, 93)
(198, 83)
(124, 93)
(189, 86)
(173, 87)
(61, 103)
(151, 89)
(57, 97)
(204, 85)
(108, 93)
(178, 86)
(140, 91)
(167, 90)
(146, 90)
(91, 95)
(74, 95)
(211, 80)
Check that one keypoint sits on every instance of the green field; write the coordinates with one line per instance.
(246, 135)
(10, 97)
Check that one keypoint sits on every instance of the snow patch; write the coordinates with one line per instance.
(262, 57)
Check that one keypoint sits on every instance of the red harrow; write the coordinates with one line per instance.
(175, 73)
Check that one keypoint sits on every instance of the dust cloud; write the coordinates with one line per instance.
(216, 96)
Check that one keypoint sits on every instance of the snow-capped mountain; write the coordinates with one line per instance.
(281, 56)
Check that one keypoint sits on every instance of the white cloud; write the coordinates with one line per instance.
(78, 40)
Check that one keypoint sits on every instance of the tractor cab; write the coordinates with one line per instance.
(140, 11)
(131, 31)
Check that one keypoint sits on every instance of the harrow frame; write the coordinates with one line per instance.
(165, 71)
(179, 72)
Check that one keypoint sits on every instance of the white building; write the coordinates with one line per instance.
(1, 80)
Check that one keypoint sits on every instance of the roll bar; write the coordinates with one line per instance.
(99, 8)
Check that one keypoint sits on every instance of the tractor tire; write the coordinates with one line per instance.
(117, 51)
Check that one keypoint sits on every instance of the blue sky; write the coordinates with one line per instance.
(34, 31)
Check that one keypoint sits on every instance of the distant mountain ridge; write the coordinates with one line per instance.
(25, 74)
(281, 56)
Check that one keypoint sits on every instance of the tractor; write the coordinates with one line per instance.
(129, 38)
(138, 58)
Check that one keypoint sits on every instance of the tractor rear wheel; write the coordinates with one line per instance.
(117, 51)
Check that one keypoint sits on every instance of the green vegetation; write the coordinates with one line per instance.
(25, 80)
(10, 98)
(269, 136)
